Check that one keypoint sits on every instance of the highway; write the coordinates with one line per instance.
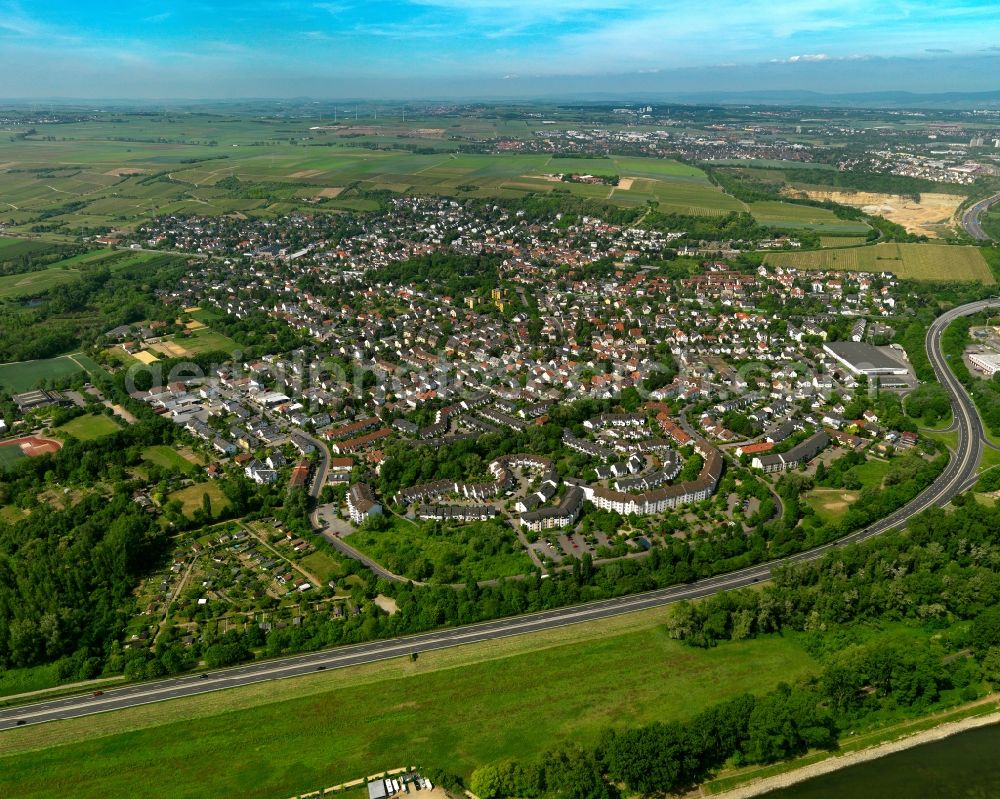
(972, 218)
(957, 476)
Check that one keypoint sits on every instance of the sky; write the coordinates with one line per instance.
(420, 49)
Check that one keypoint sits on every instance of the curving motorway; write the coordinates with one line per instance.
(958, 476)
(972, 218)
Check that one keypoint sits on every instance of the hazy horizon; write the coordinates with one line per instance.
(442, 49)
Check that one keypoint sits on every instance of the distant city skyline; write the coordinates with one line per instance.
(491, 48)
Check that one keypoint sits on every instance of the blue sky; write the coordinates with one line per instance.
(441, 48)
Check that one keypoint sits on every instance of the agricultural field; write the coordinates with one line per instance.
(90, 427)
(168, 458)
(191, 498)
(791, 216)
(11, 248)
(586, 677)
(841, 241)
(26, 375)
(927, 262)
(423, 551)
(105, 182)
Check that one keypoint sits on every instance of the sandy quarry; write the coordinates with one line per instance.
(922, 218)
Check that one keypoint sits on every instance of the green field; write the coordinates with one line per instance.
(802, 217)
(168, 458)
(191, 497)
(26, 375)
(456, 709)
(929, 262)
(90, 426)
(449, 554)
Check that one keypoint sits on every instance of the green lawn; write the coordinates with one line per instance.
(26, 375)
(168, 458)
(191, 497)
(456, 709)
(90, 426)
(445, 554)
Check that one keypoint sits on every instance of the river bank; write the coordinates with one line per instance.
(835, 762)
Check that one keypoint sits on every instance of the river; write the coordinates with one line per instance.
(963, 766)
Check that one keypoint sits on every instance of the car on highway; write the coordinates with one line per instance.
(98, 693)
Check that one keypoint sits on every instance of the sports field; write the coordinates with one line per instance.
(455, 709)
(930, 262)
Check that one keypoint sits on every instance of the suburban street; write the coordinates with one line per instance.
(972, 218)
(958, 476)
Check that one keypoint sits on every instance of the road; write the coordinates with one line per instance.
(972, 218)
(959, 475)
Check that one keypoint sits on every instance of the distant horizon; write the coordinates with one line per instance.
(513, 49)
(777, 97)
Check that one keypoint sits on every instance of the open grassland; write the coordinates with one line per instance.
(929, 262)
(191, 498)
(458, 708)
(90, 426)
(802, 217)
(25, 375)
